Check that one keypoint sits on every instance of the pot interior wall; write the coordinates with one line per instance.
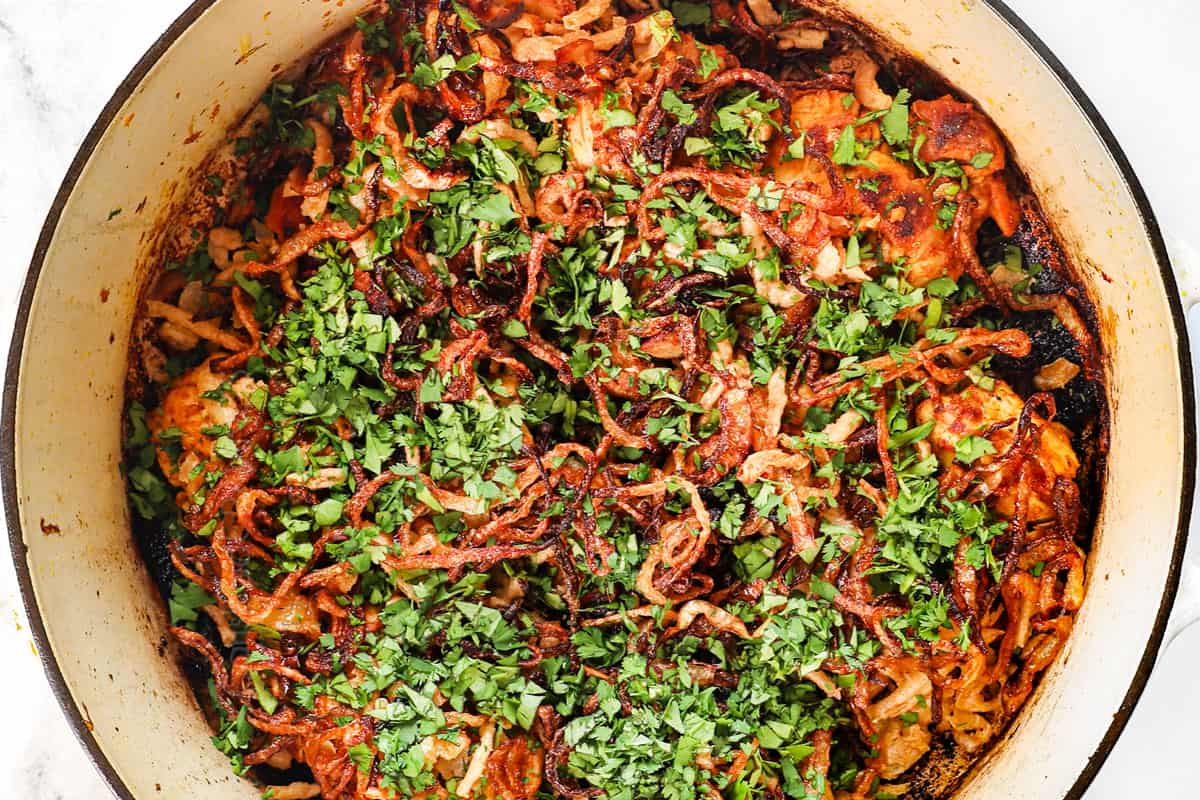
(1085, 196)
(104, 622)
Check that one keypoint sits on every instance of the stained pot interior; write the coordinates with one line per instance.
(103, 621)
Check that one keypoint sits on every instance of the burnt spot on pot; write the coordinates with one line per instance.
(192, 134)
(248, 50)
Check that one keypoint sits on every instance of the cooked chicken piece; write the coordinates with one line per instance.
(294, 791)
(294, 613)
(550, 10)
(993, 415)
(900, 745)
(187, 409)
(886, 190)
(890, 191)
(1056, 374)
(908, 221)
(958, 132)
(903, 716)
(997, 202)
(822, 115)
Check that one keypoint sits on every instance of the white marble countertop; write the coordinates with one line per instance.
(60, 60)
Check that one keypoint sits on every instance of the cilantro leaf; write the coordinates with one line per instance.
(894, 123)
(970, 449)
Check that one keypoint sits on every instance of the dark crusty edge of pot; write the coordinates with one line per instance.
(8, 412)
(192, 13)
(1146, 664)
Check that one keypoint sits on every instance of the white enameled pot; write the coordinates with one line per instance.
(98, 622)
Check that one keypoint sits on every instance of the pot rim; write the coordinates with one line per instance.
(192, 13)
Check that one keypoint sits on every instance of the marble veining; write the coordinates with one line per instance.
(60, 60)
